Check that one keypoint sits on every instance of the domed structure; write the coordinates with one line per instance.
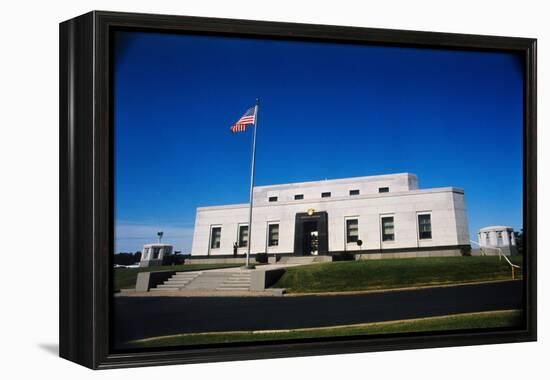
(493, 238)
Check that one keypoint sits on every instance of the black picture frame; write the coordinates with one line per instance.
(86, 187)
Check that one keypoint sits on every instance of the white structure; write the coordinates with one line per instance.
(493, 238)
(388, 213)
(153, 254)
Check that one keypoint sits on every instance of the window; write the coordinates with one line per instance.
(216, 237)
(424, 226)
(354, 192)
(298, 197)
(273, 235)
(325, 195)
(387, 229)
(243, 236)
(156, 252)
(487, 238)
(273, 199)
(146, 254)
(383, 189)
(499, 238)
(352, 230)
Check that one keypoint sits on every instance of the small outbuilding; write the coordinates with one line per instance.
(153, 254)
(494, 238)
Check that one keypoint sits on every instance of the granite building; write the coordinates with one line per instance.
(370, 217)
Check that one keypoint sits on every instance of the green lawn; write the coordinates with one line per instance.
(394, 273)
(125, 278)
(492, 319)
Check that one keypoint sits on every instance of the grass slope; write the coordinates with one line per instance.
(493, 319)
(394, 273)
(126, 277)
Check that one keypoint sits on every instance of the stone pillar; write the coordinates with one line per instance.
(505, 238)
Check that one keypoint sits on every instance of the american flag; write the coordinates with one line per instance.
(247, 119)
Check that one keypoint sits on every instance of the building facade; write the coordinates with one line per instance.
(368, 216)
(494, 238)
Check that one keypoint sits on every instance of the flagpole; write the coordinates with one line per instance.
(252, 186)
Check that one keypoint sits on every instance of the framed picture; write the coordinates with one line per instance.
(235, 189)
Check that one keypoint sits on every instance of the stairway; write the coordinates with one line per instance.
(236, 281)
(207, 280)
(178, 281)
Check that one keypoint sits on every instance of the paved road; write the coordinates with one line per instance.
(141, 317)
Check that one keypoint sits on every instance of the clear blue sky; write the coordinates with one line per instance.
(454, 118)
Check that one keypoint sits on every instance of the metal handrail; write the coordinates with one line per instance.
(500, 256)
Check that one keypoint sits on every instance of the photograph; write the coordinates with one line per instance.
(284, 189)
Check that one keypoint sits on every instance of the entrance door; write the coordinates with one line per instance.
(311, 234)
(311, 238)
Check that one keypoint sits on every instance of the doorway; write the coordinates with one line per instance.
(311, 234)
(311, 239)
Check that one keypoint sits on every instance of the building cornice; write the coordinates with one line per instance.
(337, 199)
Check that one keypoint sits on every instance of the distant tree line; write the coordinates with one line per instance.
(519, 241)
(175, 259)
(127, 258)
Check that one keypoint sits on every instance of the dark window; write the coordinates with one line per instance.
(387, 229)
(352, 230)
(325, 195)
(425, 226)
(298, 196)
(273, 199)
(273, 235)
(354, 192)
(383, 189)
(243, 236)
(156, 252)
(216, 237)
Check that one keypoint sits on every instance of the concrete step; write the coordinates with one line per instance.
(237, 285)
(236, 282)
(233, 289)
(175, 283)
(239, 281)
(178, 281)
(185, 276)
(232, 283)
(218, 280)
(161, 286)
(208, 280)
